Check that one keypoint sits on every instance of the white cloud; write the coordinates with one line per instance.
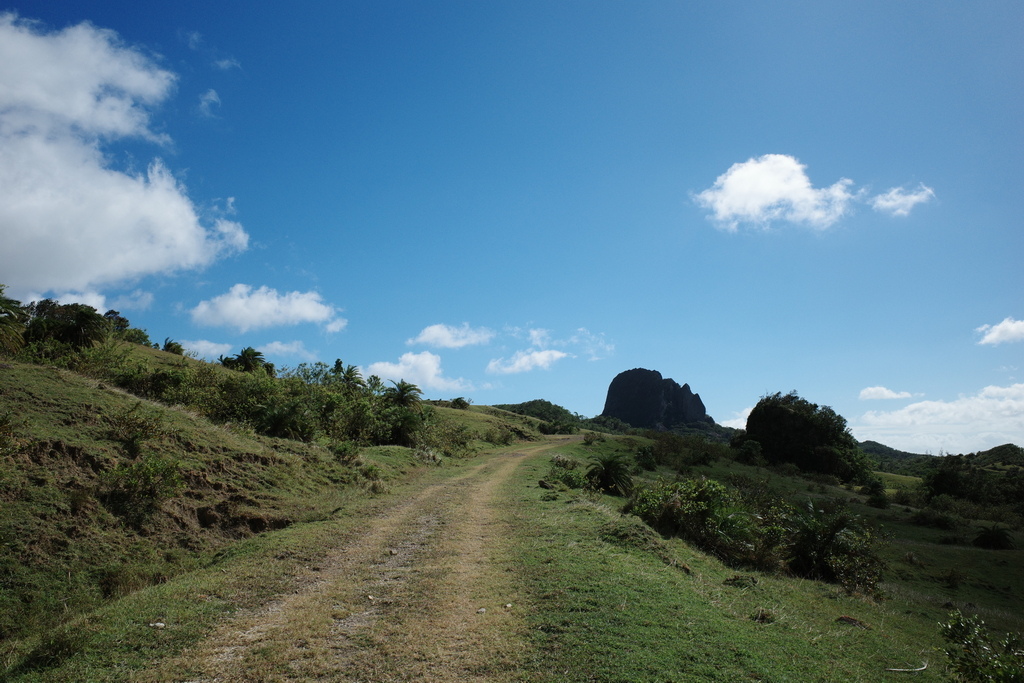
(449, 337)
(138, 300)
(992, 417)
(738, 420)
(540, 338)
(1009, 330)
(422, 369)
(524, 361)
(227, 64)
(72, 222)
(873, 393)
(899, 202)
(770, 188)
(206, 349)
(294, 348)
(209, 102)
(94, 299)
(247, 309)
(594, 345)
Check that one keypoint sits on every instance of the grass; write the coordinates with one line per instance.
(598, 596)
(606, 611)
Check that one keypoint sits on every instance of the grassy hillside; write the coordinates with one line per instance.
(121, 514)
(104, 493)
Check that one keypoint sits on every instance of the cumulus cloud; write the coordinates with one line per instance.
(206, 349)
(294, 348)
(873, 393)
(422, 369)
(1009, 330)
(209, 102)
(992, 417)
(524, 361)
(138, 300)
(245, 309)
(899, 202)
(773, 187)
(71, 221)
(449, 337)
(738, 420)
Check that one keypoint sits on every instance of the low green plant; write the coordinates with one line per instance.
(135, 490)
(134, 426)
(994, 537)
(975, 655)
(611, 473)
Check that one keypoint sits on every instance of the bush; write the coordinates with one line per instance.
(831, 544)
(567, 471)
(611, 473)
(993, 537)
(975, 656)
(645, 458)
(134, 491)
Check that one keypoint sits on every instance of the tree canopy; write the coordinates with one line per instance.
(815, 438)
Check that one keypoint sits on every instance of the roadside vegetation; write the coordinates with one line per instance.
(134, 478)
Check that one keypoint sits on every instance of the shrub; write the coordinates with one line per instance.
(134, 426)
(831, 544)
(974, 655)
(611, 473)
(134, 491)
(567, 471)
(994, 537)
(645, 458)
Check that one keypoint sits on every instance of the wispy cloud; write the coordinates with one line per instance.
(525, 361)
(209, 102)
(1009, 330)
(293, 348)
(227, 64)
(899, 202)
(449, 337)
(422, 369)
(71, 221)
(991, 417)
(245, 309)
(882, 393)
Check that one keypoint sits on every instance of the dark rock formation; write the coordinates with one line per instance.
(646, 400)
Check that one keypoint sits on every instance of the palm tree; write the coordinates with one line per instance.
(249, 359)
(12, 324)
(405, 394)
(171, 346)
(349, 376)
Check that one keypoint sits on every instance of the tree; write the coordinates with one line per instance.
(77, 325)
(404, 394)
(12, 324)
(349, 376)
(815, 438)
(171, 346)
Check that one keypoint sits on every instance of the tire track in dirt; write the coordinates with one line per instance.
(400, 602)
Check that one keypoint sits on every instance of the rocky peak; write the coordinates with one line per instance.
(645, 399)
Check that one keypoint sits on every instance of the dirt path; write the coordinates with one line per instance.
(420, 596)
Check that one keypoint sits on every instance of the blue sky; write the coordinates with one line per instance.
(519, 200)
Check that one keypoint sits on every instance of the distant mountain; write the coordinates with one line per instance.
(644, 399)
(879, 451)
(1007, 454)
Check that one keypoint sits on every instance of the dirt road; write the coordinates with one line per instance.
(422, 595)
